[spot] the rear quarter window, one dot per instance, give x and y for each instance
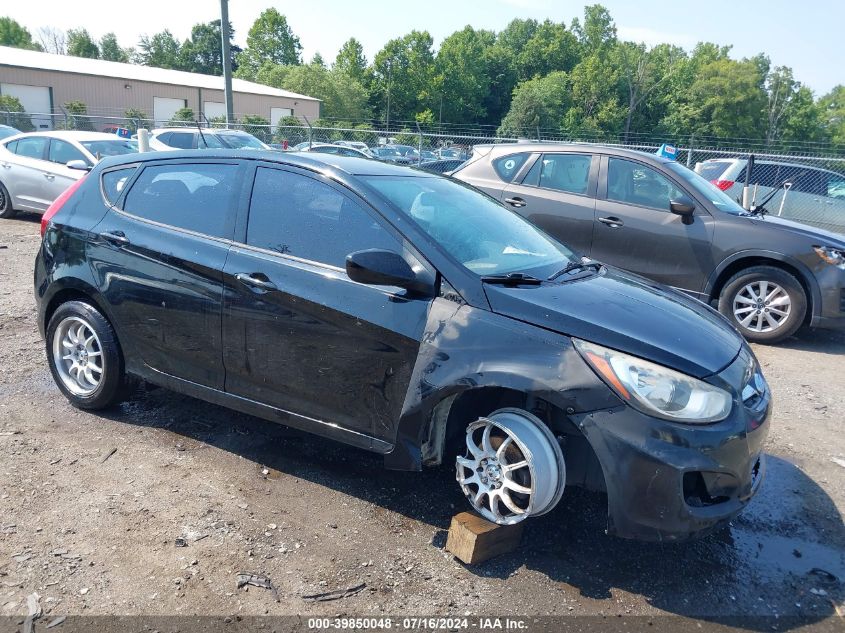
(713, 170)
(113, 183)
(507, 167)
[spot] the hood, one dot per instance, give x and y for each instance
(817, 235)
(627, 313)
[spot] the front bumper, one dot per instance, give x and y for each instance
(672, 482)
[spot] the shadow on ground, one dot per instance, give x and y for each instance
(784, 556)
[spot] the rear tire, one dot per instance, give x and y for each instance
(766, 304)
(6, 210)
(85, 357)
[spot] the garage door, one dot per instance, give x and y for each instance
(276, 114)
(214, 109)
(33, 99)
(164, 108)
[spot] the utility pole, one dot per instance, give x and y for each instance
(227, 62)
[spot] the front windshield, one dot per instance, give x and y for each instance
(241, 140)
(474, 229)
(716, 196)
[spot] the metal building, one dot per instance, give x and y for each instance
(44, 82)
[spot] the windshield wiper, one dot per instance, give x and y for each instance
(577, 266)
(512, 279)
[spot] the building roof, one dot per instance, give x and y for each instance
(22, 58)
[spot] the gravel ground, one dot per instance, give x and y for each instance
(93, 505)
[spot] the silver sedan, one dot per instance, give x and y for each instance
(36, 168)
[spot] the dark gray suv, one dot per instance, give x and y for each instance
(655, 217)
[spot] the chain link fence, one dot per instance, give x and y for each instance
(799, 181)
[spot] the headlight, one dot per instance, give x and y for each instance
(833, 256)
(657, 390)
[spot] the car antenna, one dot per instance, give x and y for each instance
(202, 136)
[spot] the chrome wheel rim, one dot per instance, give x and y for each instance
(78, 356)
(762, 306)
(513, 467)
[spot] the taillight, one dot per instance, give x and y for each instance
(54, 208)
(724, 185)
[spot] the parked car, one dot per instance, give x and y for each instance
(389, 155)
(164, 139)
(408, 314)
(802, 193)
(451, 152)
(36, 168)
(340, 150)
(360, 146)
(441, 166)
(657, 218)
(7, 131)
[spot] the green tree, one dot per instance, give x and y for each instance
(161, 50)
(77, 117)
(203, 53)
(111, 51)
(537, 103)
(258, 126)
(725, 100)
(462, 80)
(595, 109)
(318, 60)
(342, 97)
(401, 76)
(13, 34)
(832, 114)
(552, 47)
(803, 119)
(270, 39)
(9, 108)
(181, 117)
(135, 118)
(598, 33)
(351, 60)
(81, 44)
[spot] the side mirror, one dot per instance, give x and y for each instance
(378, 267)
(684, 207)
(78, 164)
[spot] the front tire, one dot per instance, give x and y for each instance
(6, 210)
(513, 467)
(85, 357)
(766, 304)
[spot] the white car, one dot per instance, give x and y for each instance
(361, 147)
(35, 168)
(170, 138)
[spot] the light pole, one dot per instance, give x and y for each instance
(227, 62)
(389, 75)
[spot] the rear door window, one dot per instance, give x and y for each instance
(181, 140)
(32, 147)
(199, 197)
(508, 166)
(561, 172)
(713, 170)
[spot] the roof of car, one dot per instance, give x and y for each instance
(72, 135)
(515, 148)
(351, 165)
(188, 128)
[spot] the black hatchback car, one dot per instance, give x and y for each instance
(655, 217)
(408, 314)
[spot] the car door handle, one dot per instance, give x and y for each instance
(515, 202)
(7, 165)
(256, 280)
(49, 176)
(115, 237)
(612, 222)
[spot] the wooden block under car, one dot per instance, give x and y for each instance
(473, 539)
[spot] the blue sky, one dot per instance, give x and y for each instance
(808, 35)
